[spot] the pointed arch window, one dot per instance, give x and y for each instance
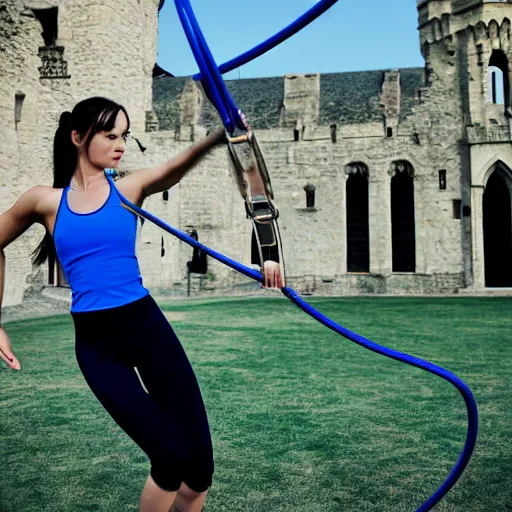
(497, 229)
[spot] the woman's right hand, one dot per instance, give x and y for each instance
(272, 275)
(6, 352)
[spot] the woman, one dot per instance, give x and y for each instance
(118, 325)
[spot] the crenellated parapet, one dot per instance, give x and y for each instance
(466, 45)
(301, 103)
(489, 72)
(390, 101)
(434, 18)
(437, 42)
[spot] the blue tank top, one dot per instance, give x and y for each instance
(97, 253)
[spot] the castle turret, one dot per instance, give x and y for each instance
(99, 47)
(466, 44)
(54, 54)
(473, 35)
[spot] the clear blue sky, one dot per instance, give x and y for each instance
(354, 35)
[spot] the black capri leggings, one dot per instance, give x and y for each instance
(168, 422)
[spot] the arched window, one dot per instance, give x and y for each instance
(358, 233)
(53, 64)
(310, 195)
(499, 83)
(18, 105)
(497, 226)
(403, 233)
(49, 23)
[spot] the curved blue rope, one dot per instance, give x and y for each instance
(281, 36)
(317, 10)
(211, 78)
(209, 87)
(450, 377)
(214, 85)
(459, 384)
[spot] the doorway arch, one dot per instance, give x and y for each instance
(497, 229)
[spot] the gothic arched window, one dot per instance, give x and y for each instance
(403, 232)
(358, 232)
(499, 83)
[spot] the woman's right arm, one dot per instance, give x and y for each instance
(13, 223)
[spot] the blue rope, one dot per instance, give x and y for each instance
(220, 97)
(211, 80)
(209, 88)
(304, 20)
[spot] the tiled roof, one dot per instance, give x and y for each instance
(345, 98)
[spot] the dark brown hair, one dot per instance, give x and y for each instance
(89, 117)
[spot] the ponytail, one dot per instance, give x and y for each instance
(64, 164)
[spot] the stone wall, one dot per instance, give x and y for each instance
(312, 132)
(314, 239)
(30, 105)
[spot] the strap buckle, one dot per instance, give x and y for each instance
(249, 165)
(255, 187)
(261, 210)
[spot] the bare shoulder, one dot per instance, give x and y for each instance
(44, 200)
(131, 186)
(48, 199)
(23, 213)
(29, 202)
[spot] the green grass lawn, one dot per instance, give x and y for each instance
(302, 419)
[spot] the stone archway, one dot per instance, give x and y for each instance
(497, 230)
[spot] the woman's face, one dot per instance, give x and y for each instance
(107, 147)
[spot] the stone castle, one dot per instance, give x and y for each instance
(392, 181)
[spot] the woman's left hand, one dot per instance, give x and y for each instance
(272, 275)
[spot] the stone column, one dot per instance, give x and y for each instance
(379, 199)
(484, 56)
(477, 235)
(343, 228)
(420, 224)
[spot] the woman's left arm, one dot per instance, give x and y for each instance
(164, 176)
